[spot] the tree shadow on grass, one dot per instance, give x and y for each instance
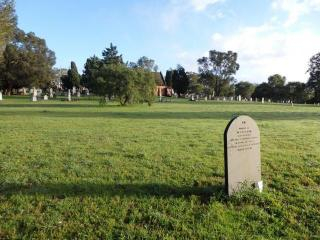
(63, 190)
(226, 115)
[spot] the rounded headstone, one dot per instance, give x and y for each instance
(242, 154)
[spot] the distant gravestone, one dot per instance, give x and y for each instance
(239, 98)
(78, 94)
(45, 97)
(242, 154)
(0, 96)
(51, 93)
(206, 98)
(74, 90)
(262, 100)
(69, 95)
(34, 95)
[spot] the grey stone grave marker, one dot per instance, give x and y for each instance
(0, 96)
(242, 155)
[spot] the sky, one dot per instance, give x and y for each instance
(270, 36)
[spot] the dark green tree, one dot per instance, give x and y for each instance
(314, 79)
(277, 83)
(219, 69)
(110, 55)
(91, 68)
(297, 92)
(73, 77)
(245, 89)
(263, 90)
(180, 80)
(27, 62)
(168, 78)
(194, 85)
(276, 80)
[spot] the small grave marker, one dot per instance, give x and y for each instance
(242, 154)
(0, 96)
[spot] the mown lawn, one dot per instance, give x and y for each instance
(80, 171)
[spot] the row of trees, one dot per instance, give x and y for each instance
(25, 60)
(216, 78)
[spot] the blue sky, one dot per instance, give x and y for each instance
(270, 36)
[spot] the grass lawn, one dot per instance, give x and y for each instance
(77, 170)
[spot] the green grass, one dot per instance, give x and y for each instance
(77, 170)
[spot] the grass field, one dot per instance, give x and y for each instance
(77, 170)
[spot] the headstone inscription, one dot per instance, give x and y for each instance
(242, 155)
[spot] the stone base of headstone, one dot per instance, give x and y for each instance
(259, 186)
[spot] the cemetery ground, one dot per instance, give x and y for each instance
(78, 170)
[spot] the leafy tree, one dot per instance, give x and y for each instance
(276, 80)
(91, 68)
(277, 83)
(168, 78)
(218, 69)
(194, 85)
(314, 79)
(297, 92)
(245, 89)
(147, 64)
(263, 90)
(8, 22)
(27, 62)
(110, 55)
(128, 85)
(180, 80)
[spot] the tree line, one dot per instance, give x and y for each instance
(26, 61)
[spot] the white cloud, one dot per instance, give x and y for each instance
(267, 49)
(296, 8)
(200, 5)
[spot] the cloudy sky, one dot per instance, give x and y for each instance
(270, 36)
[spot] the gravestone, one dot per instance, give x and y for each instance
(262, 100)
(78, 94)
(88, 93)
(51, 93)
(34, 95)
(239, 98)
(74, 90)
(69, 95)
(206, 98)
(45, 97)
(251, 99)
(0, 96)
(242, 154)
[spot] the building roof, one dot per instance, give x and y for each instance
(159, 79)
